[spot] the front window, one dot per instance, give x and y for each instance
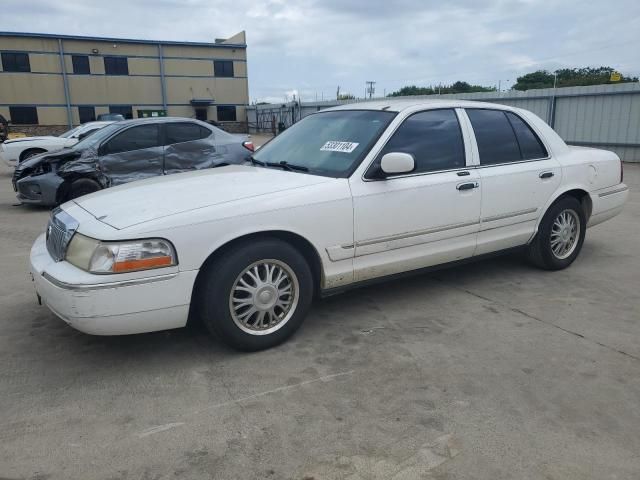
(331, 144)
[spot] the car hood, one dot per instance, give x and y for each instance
(32, 139)
(142, 201)
(49, 157)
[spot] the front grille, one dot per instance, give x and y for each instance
(60, 230)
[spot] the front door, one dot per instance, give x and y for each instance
(424, 218)
(518, 178)
(134, 154)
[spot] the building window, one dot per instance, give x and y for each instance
(226, 113)
(116, 66)
(201, 114)
(87, 114)
(15, 62)
(80, 64)
(125, 110)
(223, 68)
(23, 115)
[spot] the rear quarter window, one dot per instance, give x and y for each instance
(530, 145)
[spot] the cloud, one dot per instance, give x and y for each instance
(312, 46)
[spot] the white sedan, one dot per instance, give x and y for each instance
(346, 196)
(17, 150)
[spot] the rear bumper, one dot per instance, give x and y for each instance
(607, 203)
(113, 306)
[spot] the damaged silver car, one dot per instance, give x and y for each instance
(123, 152)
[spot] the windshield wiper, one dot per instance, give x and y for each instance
(256, 162)
(287, 166)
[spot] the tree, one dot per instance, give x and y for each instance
(569, 77)
(346, 96)
(457, 87)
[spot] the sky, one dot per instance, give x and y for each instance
(308, 48)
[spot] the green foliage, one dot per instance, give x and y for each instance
(569, 77)
(346, 96)
(457, 87)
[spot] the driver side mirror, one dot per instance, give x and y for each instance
(395, 163)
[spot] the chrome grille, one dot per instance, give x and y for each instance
(60, 230)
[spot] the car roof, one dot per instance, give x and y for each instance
(137, 121)
(98, 122)
(393, 105)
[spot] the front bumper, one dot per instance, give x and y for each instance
(38, 189)
(111, 304)
(6, 158)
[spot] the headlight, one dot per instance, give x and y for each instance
(118, 257)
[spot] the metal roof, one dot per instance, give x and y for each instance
(120, 40)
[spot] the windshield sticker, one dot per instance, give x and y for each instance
(335, 146)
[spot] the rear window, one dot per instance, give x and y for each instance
(503, 137)
(530, 145)
(184, 132)
(495, 137)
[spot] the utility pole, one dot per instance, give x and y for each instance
(338, 93)
(371, 89)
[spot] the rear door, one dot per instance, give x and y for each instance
(189, 146)
(133, 154)
(517, 174)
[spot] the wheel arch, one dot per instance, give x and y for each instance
(576, 191)
(31, 149)
(304, 246)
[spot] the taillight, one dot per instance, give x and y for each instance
(248, 145)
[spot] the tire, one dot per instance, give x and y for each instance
(82, 186)
(31, 153)
(554, 247)
(225, 304)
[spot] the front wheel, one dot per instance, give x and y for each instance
(81, 187)
(257, 295)
(560, 235)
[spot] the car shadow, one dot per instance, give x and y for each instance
(336, 312)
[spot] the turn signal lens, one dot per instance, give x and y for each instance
(119, 257)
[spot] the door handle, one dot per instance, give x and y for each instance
(468, 186)
(463, 174)
(544, 175)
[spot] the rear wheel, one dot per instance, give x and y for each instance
(257, 295)
(83, 186)
(560, 235)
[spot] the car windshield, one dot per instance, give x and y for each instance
(69, 133)
(331, 143)
(95, 138)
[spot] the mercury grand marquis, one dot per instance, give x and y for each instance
(346, 196)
